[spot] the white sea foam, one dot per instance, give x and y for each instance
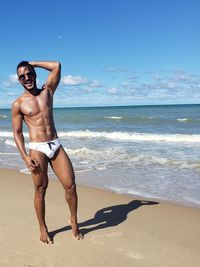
(114, 117)
(193, 201)
(111, 157)
(10, 142)
(10, 134)
(26, 171)
(132, 136)
(125, 190)
(6, 134)
(84, 170)
(81, 151)
(104, 153)
(121, 136)
(147, 117)
(182, 199)
(3, 116)
(183, 120)
(8, 153)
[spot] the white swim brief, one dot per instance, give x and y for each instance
(48, 148)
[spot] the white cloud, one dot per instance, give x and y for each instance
(171, 86)
(11, 94)
(156, 77)
(95, 83)
(73, 80)
(12, 80)
(180, 76)
(115, 69)
(112, 91)
(88, 90)
(133, 76)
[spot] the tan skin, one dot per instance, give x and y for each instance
(35, 107)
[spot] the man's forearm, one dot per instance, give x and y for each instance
(30, 161)
(19, 140)
(48, 65)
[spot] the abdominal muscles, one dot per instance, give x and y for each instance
(41, 127)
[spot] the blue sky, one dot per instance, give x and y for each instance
(113, 52)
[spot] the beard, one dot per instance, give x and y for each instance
(29, 85)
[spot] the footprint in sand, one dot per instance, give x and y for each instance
(96, 240)
(114, 234)
(130, 253)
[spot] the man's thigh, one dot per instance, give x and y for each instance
(62, 166)
(39, 175)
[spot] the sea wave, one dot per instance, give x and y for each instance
(26, 171)
(114, 117)
(188, 120)
(10, 134)
(9, 153)
(132, 136)
(2, 116)
(110, 157)
(118, 136)
(183, 119)
(182, 199)
(10, 142)
(103, 154)
(81, 151)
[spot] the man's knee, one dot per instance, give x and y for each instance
(70, 188)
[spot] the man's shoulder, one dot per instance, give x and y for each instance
(20, 99)
(17, 102)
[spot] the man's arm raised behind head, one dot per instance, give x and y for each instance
(54, 67)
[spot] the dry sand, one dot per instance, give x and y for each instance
(119, 230)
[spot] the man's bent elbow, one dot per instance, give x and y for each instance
(17, 133)
(58, 65)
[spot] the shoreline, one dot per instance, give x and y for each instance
(79, 183)
(80, 175)
(119, 230)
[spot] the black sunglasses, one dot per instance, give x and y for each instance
(23, 76)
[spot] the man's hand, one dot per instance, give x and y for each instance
(31, 163)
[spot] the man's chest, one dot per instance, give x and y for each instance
(34, 105)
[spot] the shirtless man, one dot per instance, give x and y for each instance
(35, 107)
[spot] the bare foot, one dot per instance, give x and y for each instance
(75, 230)
(44, 237)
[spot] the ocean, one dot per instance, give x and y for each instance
(148, 151)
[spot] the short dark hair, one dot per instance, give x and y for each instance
(26, 64)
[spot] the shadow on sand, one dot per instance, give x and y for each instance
(106, 217)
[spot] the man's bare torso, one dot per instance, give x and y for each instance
(37, 112)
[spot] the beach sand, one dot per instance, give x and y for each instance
(119, 230)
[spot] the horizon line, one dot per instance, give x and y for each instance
(110, 106)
